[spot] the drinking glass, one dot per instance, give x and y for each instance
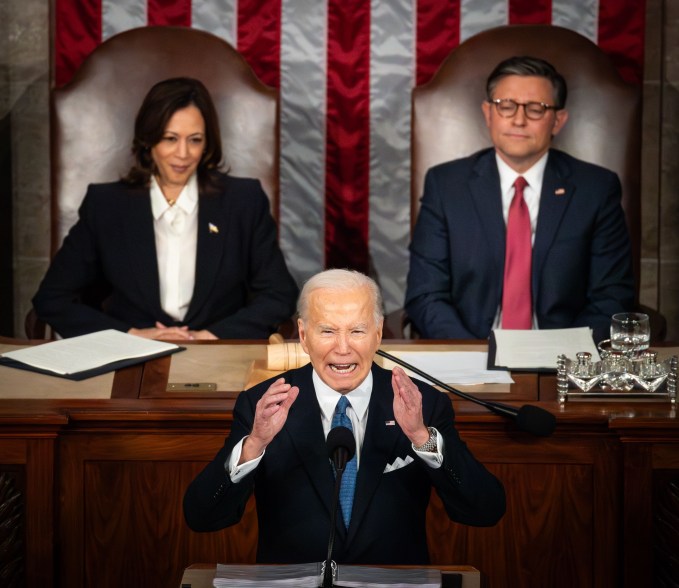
(630, 333)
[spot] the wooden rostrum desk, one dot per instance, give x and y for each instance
(92, 476)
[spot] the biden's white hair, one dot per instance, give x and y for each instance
(340, 279)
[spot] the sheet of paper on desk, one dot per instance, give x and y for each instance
(537, 349)
(453, 367)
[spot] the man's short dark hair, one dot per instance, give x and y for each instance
(529, 66)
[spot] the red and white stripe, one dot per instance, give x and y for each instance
(345, 69)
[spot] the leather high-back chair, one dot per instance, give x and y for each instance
(604, 126)
(92, 117)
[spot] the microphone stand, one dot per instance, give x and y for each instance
(328, 575)
(532, 419)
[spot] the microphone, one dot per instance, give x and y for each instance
(341, 448)
(530, 419)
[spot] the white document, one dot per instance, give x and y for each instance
(466, 368)
(86, 352)
(537, 349)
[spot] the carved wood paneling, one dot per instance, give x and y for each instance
(122, 509)
(665, 529)
(549, 516)
(133, 516)
(12, 528)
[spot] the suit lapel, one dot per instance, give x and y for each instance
(487, 199)
(557, 192)
(212, 234)
(141, 244)
(378, 444)
(305, 432)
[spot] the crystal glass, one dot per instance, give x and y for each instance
(616, 372)
(630, 333)
(583, 373)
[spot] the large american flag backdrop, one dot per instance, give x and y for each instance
(345, 70)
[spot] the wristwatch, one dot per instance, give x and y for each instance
(430, 445)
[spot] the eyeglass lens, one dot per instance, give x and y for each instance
(508, 108)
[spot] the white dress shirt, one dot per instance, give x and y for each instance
(357, 412)
(176, 234)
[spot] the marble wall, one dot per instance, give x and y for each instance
(24, 97)
(660, 164)
(668, 169)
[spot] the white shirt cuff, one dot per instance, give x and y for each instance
(434, 459)
(238, 472)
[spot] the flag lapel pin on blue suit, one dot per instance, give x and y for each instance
(560, 191)
(214, 229)
(390, 423)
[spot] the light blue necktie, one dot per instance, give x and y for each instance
(346, 497)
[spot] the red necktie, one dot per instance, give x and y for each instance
(517, 311)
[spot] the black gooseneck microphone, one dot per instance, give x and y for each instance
(531, 419)
(341, 448)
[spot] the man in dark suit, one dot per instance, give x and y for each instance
(405, 437)
(580, 270)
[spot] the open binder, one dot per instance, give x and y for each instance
(88, 355)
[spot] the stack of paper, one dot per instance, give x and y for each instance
(537, 349)
(452, 367)
(252, 576)
(309, 576)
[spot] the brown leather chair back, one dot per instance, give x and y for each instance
(93, 116)
(604, 126)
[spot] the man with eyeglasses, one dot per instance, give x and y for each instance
(520, 235)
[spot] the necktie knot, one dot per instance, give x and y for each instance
(519, 184)
(340, 418)
(342, 404)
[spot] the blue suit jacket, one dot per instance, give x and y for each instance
(293, 483)
(582, 265)
(242, 286)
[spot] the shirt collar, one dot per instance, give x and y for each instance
(328, 398)
(533, 175)
(187, 199)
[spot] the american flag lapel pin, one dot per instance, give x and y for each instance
(389, 423)
(214, 229)
(560, 191)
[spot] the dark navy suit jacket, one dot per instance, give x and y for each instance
(582, 265)
(293, 483)
(242, 286)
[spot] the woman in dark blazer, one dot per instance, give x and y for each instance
(176, 249)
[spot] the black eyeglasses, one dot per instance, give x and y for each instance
(507, 108)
